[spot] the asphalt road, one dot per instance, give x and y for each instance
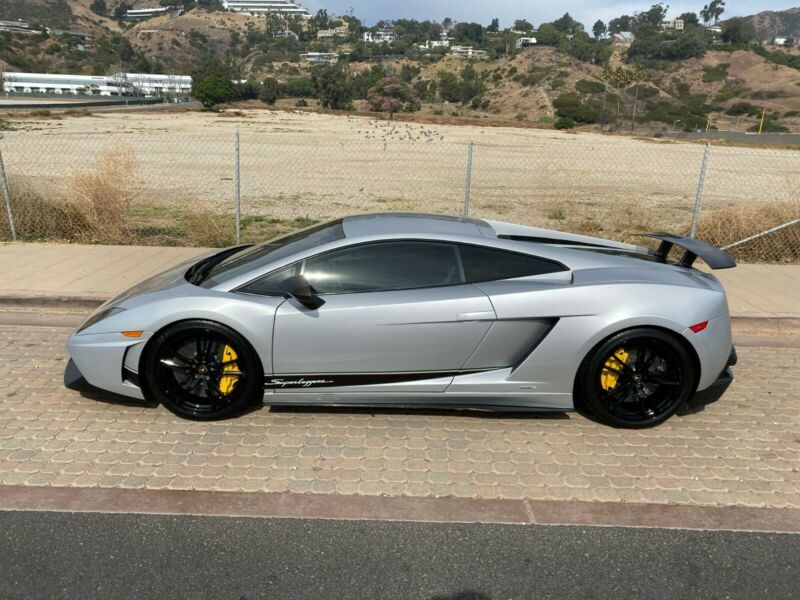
(66, 555)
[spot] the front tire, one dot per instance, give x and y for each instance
(202, 370)
(637, 378)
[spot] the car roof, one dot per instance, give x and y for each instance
(414, 223)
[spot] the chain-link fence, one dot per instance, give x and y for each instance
(180, 184)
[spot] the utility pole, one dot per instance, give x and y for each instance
(761, 126)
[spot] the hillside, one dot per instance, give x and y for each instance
(534, 87)
(768, 24)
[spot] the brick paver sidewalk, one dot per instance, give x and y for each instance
(743, 450)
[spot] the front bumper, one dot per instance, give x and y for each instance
(105, 360)
(74, 380)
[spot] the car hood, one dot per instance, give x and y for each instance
(171, 281)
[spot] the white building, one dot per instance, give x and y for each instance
(119, 84)
(780, 41)
(287, 34)
(45, 83)
(17, 27)
(469, 53)
(382, 36)
(672, 25)
(146, 84)
(262, 7)
(623, 38)
(320, 58)
(525, 42)
(140, 14)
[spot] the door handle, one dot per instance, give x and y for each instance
(487, 315)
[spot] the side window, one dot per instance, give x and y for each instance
(489, 264)
(269, 285)
(385, 266)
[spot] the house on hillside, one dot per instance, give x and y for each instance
(286, 35)
(264, 7)
(141, 14)
(386, 35)
(782, 40)
(335, 33)
(17, 27)
(672, 25)
(469, 53)
(525, 42)
(320, 58)
(623, 38)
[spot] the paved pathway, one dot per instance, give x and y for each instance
(102, 271)
(743, 450)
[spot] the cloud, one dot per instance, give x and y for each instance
(535, 11)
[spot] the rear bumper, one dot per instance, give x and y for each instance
(715, 391)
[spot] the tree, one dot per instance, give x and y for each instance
(689, 19)
(212, 84)
(99, 7)
(270, 91)
(655, 15)
(494, 27)
(547, 35)
(121, 10)
(319, 21)
(599, 29)
(738, 31)
(522, 25)
(471, 33)
(567, 24)
(713, 11)
(622, 23)
(333, 86)
(213, 90)
(447, 24)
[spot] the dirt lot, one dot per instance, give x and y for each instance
(318, 165)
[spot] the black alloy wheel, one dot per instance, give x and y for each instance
(638, 378)
(202, 370)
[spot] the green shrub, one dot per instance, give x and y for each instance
(718, 73)
(743, 108)
(564, 123)
(770, 126)
(586, 86)
(557, 83)
(570, 106)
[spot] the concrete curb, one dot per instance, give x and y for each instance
(287, 505)
(751, 324)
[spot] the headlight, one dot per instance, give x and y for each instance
(98, 316)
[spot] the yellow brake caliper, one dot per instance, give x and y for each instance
(227, 383)
(610, 376)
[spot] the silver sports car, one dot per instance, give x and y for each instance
(409, 310)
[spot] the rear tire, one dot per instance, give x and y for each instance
(202, 370)
(637, 378)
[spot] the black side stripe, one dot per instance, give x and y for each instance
(309, 381)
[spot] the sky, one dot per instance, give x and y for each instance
(535, 11)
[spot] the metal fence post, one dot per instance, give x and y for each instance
(238, 192)
(7, 194)
(468, 184)
(699, 196)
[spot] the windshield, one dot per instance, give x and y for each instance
(261, 255)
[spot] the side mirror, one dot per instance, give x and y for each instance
(298, 288)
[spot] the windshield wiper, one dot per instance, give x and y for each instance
(200, 270)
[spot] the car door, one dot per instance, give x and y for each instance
(398, 316)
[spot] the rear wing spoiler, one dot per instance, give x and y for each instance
(713, 257)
